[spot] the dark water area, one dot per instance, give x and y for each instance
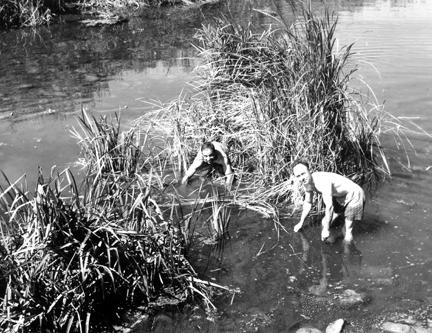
(48, 75)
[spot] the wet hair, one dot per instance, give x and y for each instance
(299, 161)
(208, 145)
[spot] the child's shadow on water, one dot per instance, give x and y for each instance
(323, 264)
(338, 263)
(371, 224)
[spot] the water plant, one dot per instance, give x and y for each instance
(24, 13)
(278, 95)
(74, 255)
(106, 150)
(220, 217)
(31, 13)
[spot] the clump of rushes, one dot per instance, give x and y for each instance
(72, 256)
(107, 151)
(279, 95)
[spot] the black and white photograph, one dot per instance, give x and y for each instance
(215, 166)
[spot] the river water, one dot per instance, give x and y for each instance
(49, 74)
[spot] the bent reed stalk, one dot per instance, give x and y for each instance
(277, 96)
(73, 256)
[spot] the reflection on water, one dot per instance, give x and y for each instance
(61, 67)
(47, 75)
(284, 282)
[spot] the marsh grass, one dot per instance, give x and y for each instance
(106, 150)
(115, 11)
(25, 13)
(74, 254)
(179, 148)
(31, 13)
(276, 96)
(220, 217)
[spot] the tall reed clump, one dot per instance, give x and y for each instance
(73, 256)
(282, 94)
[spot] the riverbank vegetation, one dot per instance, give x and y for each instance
(74, 257)
(30, 13)
(276, 96)
(76, 254)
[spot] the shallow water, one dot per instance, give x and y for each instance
(48, 75)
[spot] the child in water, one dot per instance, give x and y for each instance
(337, 192)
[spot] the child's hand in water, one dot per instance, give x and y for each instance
(325, 233)
(298, 226)
(183, 181)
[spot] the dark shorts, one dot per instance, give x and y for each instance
(210, 171)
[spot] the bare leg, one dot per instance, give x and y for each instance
(335, 216)
(325, 232)
(348, 231)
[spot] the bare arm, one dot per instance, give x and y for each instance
(192, 169)
(307, 206)
(328, 215)
(227, 168)
(229, 174)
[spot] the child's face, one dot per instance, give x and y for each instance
(301, 172)
(208, 155)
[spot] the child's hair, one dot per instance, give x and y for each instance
(207, 145)
(299, 161)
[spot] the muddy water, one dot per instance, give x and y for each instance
(48, 75)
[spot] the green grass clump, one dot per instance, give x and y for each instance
(275, 96)
(75, 257)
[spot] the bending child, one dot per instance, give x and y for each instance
(212, 155)
(337, 192)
